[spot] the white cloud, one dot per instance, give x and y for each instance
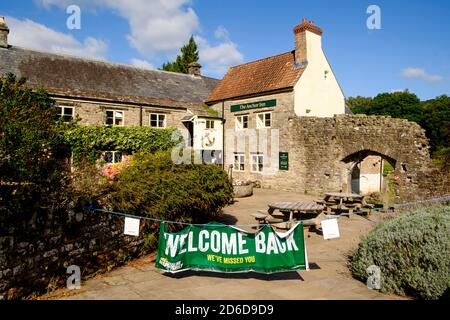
(162, 27)
(217, 59)
(32, 35)
(155, 25)
(419, 73)
(222, 33)
(144, 64)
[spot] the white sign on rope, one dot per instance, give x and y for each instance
(330, 229)
(131, 226)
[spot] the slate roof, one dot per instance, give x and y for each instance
(260, 76)
(69, 76)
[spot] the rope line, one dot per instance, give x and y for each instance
(92, 209)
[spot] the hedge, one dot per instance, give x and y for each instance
(412, 252)
(90, 141)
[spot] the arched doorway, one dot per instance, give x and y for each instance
(367, 171)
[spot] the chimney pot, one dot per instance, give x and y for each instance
(194, 69)
(4, 30)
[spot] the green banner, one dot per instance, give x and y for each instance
(222, 248)
(253, 105)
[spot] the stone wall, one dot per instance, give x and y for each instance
(327, 149)
(36, 253)
(92, 113)
(323, 151)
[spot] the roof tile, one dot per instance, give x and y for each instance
(272, 73)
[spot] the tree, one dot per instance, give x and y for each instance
(436, 121)
(404, 105)
(29, 137)
(189, 54)
(359, 104)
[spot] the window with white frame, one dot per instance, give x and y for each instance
(257, 162)
(239, 160)
(157, 120)
(209, 124)
(65, 113)
(114, 118)
(241, 122)
(264, 120)
(112, 157)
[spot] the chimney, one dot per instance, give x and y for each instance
(194, 69)
(300, 33)
(4, 30)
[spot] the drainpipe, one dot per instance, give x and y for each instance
(140, 115)
(223, 135)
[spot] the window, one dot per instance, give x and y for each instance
(257, 164)
(239, 159)
(112, 157)
(157, 120)
(65, 113)
(209, 124)
(114, 118)
(264, 120)
(241, 122)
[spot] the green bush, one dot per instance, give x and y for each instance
(31, 177)
(90, 141)
(412, 252)
(154, 186)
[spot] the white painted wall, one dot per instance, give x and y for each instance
(369, 183)
(322, 96)
(207, 139)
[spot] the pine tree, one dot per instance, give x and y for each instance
(189, 54)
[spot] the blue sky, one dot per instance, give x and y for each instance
(410, 51)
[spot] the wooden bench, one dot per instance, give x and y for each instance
(260, 217)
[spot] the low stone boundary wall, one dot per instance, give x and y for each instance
(35, 254)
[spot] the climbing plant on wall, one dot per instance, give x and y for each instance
(90, 141)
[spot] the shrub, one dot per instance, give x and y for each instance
(154, 186)
(412, 252)
(31, 177)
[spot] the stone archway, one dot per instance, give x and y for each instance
(366, 170)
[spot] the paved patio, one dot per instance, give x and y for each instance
(329, 277)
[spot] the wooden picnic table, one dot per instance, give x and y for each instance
(342, 201)
(289, 208)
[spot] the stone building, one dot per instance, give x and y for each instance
(286, 126)
(280, 120)
(103, 93)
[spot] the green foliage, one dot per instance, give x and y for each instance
(211, 111)
(156, 187)
(359, 104)
(436, 122)
(403, 105)
(30, 173)
(189, 54)
(442, 158)
(412, 252)
(387, 168)
(89, 141)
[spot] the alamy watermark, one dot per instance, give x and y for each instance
(74, 280)
(263, 146)
(74, 19)
(374, 20)
(374, 277)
